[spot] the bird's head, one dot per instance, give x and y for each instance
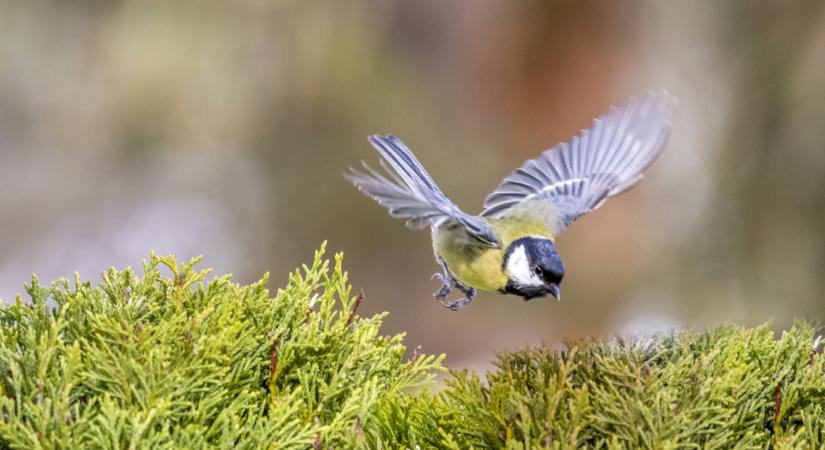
(533, 268)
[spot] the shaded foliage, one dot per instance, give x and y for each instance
(731, 388)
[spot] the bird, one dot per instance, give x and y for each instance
(510, 246)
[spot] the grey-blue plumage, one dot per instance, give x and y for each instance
(509, 247)
(410, 193)
(601, 162)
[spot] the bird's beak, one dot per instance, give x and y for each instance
(554, 289)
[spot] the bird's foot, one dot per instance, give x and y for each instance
(446, 286)
(455, 305)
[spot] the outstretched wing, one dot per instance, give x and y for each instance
(410, 193)
(601, 162)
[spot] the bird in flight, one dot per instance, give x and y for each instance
(510, 247)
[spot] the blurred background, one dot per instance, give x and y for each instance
(223, 127)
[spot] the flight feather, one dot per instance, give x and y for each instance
(601, 162)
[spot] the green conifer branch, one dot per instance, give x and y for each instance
(176, 361)
(169, 359)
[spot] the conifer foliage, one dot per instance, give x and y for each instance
(168, 359)
(173, 361)
(734, 388)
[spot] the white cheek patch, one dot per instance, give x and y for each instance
(518, 269)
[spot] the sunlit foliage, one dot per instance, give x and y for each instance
(174, 361)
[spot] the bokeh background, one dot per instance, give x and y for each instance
(223, 127)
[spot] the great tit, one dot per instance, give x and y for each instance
(509, 246)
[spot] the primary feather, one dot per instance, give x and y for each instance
(601, 162)
(410, 193)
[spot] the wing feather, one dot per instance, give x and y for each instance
(601, 162)
(408, 191)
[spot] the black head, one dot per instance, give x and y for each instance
(533, 268)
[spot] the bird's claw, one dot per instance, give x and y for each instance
(444, 290)
(446, 286)
(455, 305)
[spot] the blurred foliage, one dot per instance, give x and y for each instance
(223, 127)
(760, 243)
(171, 361)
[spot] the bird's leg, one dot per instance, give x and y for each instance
(447, 285)
(447, 282)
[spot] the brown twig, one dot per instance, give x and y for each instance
(310, 311)
(415, 354)
(273, 360)
(485, 395)
(777, 402)
(814, 351)
(358, 300)
(358, 428)
(317, 444)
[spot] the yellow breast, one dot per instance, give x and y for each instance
(477, 265)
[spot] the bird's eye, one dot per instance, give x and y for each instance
(537, 270)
